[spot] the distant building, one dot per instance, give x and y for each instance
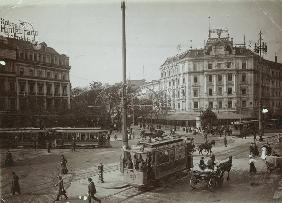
(134, 84)
(33, 81)
(150, 88)
(223, 76)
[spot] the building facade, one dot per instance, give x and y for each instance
(223, 76)
(33, 79)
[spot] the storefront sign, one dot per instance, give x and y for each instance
(22, 31)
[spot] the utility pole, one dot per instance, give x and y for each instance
(124, 103)
(260, 48)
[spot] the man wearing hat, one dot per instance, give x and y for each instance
(92, 191)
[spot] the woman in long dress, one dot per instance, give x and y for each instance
(263, 152)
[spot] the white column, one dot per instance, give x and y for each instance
(234, 82)
(44, 89)
(17, 90)
(60, 89)
(214, 84)
(53, 89)
(36, 88)
(26, 87)
(205, 85)
(224, 84)
(68, 93)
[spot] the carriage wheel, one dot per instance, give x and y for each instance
(193, 183)
(212, 184)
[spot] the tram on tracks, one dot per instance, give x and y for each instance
(149, 162)
(244, 128)
(58, 137)
(21, 137)
(83, 137)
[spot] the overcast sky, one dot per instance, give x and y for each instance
(89, 32)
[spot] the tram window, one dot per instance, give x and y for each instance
(171, 155)
(82, 137)
(179, 153)
(162, 157)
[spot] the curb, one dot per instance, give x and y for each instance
(114, 187)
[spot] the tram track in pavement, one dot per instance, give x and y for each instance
(128, 193)
(93, 171)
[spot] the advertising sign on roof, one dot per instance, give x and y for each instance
(21, 31)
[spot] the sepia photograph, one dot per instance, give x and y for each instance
(141, 101)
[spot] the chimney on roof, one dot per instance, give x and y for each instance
(275, 58)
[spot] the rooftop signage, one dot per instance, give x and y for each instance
(21, 31)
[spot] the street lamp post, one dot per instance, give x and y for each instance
(124, 104)
(260, 48)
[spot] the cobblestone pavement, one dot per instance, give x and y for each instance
(38, 171)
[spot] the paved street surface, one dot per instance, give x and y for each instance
(38, 170)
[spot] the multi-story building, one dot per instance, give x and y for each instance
(32, 79)
(223, 76)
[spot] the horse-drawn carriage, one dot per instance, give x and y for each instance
(211, 178)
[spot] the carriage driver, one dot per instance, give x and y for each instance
(211, 162)
(202, 164)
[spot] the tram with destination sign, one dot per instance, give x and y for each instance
(58, 137)
(21, 137)
(83, 137)
(148, 162)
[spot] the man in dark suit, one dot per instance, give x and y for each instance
(15, 184)
(92, 191)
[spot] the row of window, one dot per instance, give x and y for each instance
(220, 92)
(45, 58)
(222, 65)
(42, 74)
(40, 89)
(230, 104)
(176, 81)
(219, 105)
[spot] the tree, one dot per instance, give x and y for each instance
(208, 120)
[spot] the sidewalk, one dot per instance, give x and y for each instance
(113, 183)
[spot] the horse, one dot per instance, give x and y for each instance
(207, 146)
(226, 166)
(152, 135)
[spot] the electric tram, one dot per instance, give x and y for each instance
(58, 137)
(83, 137)
(148, 162)
(21, 137)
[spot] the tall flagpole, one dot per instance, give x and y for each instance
(124, 103)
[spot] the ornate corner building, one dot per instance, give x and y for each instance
(33, 80)
(223, 76)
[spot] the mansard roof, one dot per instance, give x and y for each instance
(25, 45)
